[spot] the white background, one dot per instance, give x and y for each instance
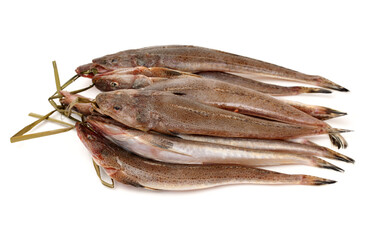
(49, 189)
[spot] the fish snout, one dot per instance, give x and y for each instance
(103, 84)
(84, 70)
(106, 103)
(101, 100)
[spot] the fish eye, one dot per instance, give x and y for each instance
(113, 84)
(117, 108)
(91, 137)
(114, 60)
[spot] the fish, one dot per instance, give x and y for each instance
(195, 59)
(271, 89)
(242, 100)
(168, 113)
(131, 169)
(176, 150)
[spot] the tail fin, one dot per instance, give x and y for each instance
(324, 164)
(325, 113)
(338, 140)
(312, 180)
(326, 83)
(334, 113)
(338, 156)
(328, 153)
(320, 112)
(339, 130)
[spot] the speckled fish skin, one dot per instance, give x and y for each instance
(176, 150)
(274, 90)
(167, 113)
(196, 59)
(232, 97)
(131, 169)
(272, 145)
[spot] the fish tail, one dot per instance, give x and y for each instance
(324, 113)
(324, 164)
(312, 180)
(336, 155)
(328, 153)
(326, 83)
(339, 130)
(320, 112)
(338, 140)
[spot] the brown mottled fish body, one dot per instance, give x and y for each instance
(196, 59)
(168, 113)
(131, 169)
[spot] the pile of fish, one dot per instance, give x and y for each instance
(185, 117)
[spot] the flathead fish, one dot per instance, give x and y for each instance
(131, 169)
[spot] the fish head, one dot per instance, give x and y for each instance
(123, 78)
(124, 106)
(113, 81)
(106, 83)
(94, 142)
(103, 151)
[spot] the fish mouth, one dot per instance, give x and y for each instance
(96, 108)
(91, 69)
